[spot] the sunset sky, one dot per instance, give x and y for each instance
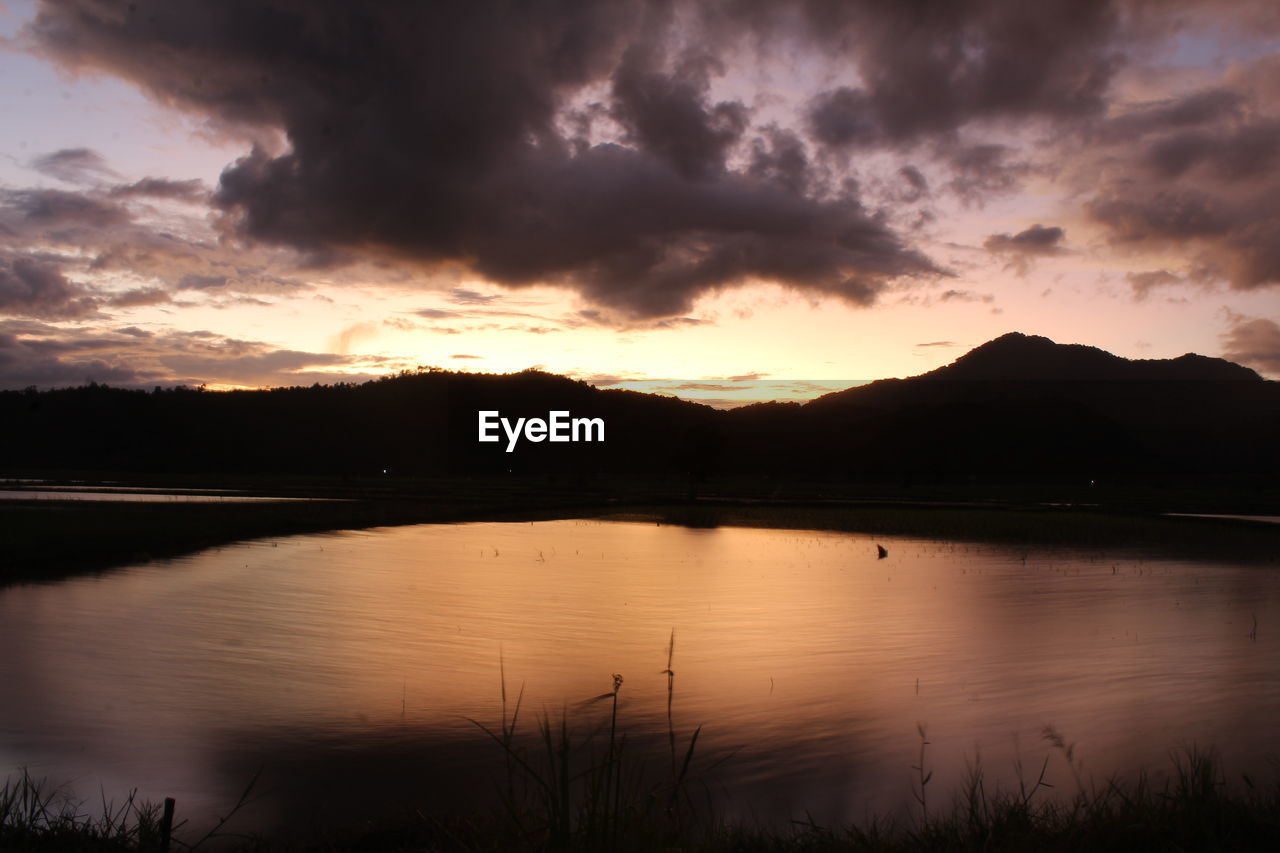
(804, 194)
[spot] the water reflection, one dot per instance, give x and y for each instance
(345, 665)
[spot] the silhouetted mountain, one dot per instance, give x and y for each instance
(1024, 406)
(1018, 407)
(1019, 357)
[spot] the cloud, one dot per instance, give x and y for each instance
(980, 171)
(352, 335)
(1197, 175)
(139, 297)
(433, 135)
(1253, 342)
(247, 363)
(24, 211)
(48, 356)
(608, 149)
(31, 288)
(927, 72)
(668, 115)
(193, 191)
(702, 386)
(780, 157)
(464, 355)
(102, 235)
(1144, 282)
(954, 295)
(603, 380)
(463, 296)
(1020, 249)
(201, 282)
(939, 344)
(74, 166)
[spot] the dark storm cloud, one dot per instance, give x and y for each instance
(930, 68)
(432, 133)
(779, 157)
(1020, 249)
(844, 117)
(1253, 342)
(1198, 175)
(668, 114)
(982, 170)
(73, 165)
(33, 288)
(588, 145)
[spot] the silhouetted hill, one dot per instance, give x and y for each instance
(1019, 357)
(1024, 406)
(1016, 408)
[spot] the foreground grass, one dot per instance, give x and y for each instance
(35, 816)
(1195, 810)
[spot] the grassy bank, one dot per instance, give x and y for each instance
(1013, 525)
(50, 539)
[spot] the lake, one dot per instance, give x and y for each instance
(348, 667)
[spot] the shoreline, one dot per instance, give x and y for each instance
(47, 540)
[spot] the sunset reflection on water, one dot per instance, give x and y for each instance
(799, 652)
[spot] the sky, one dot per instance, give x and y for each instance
(726, 200)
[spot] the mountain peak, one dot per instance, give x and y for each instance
(1019, 357)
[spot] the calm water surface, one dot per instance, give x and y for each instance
(344, 666)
